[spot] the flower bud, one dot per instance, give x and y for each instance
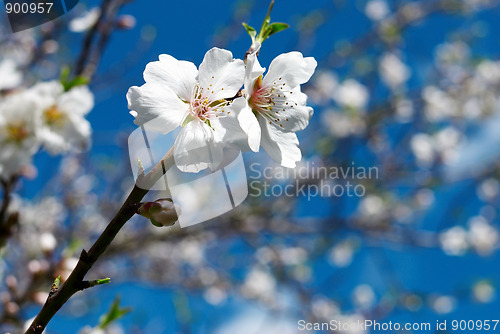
(125, 22)
(160, 212)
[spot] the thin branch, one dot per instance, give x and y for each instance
(7, 190)
(89, 38)
(75, 281)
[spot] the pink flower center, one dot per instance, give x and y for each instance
(271, 101)
(204, 109)
(201, 109)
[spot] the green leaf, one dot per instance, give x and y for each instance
(267, 19)
(77, 81)
(63, 77)
(100, 281)
(250, 30)
(273, 28)
(114, 313)
(267, 29)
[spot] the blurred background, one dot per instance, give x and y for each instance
(411, 88)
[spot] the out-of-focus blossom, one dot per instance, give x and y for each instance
(110, 329)
(279, 104)
(91, 330)
(363, 296)
(67, 266)
(443, 304)
(446, 143)
(454, 241)
(63, 123)
(292, 255)
(323, 87)
(192, 251)
(483, 291)
(439, 104)
(126, 22)
(86, 21)
(50, 46)
(393, 71)
(341, 255)
(18, 47)
(44, 215)
(259, 283)
(482, 236)
(343, 124)
(215, 295)
(424, 198)
(452, 53)
(372, 207)
(18, 132)
(488, 189)
(443, 144)
(377, 10)
(351, 94)
(404, 110)
(412, 11)
(489, 71)
(47, 242)
(412, 302)
(10, 76)
(324, 308)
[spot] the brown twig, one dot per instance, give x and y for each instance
(75, 281)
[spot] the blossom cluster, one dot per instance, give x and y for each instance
(45, 115)
(214, 111)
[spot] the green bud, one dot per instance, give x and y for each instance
(266, 30)
(251, 31)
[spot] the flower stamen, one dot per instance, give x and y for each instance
(54, 117)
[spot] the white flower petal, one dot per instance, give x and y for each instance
(253, 70)
(10, 76)
(47, 93)
(11, 162)
(241, 126)
(292, 112)
(195, 148)
(280, 146)
(178, 75)
(158, 103)
(220, 75)
(53, 142)
(292, 67)
(86, 21)
(79, 100)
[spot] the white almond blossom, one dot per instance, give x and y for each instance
(393, 71)
(63, 123)
(278, 103)
(377, 10)
(85, 21)
(177, 94)
(482, 236)
(18, 136)
(10, 76)
(352, 95)
(454, 241)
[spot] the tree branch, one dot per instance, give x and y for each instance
(75, 281)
